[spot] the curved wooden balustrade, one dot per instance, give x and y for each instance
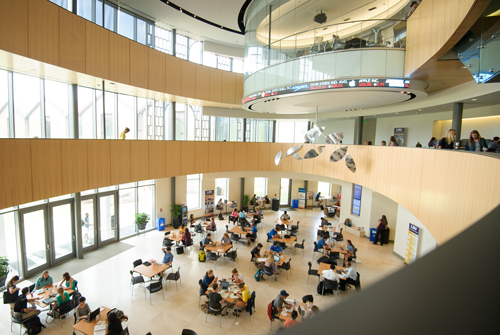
(446, 190)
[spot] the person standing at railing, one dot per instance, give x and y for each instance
(447, 141)
(475, 142)
(413, 6)
(495, 145)
(123, 134)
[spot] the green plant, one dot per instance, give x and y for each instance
(246, 200)
(4, 267)
(142, 219)
(176, 211)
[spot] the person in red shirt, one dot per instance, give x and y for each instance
(292, 321)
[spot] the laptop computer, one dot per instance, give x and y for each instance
(48, 301)
(146, 263)
(93, 315)
(276, 258)
(224, 285)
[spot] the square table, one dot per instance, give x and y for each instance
(285, 222)
(282, 258)
(325, 266)
(218, 247)
(46, 294)
(289, 240)
(152, 270)
(239, 230)
(87, 328)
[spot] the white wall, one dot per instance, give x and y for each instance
(334, 126)
(426, 243)
(488, 126)
(369, 130)
(381, 205)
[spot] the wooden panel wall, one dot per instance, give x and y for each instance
(446, 201)
(41, 30)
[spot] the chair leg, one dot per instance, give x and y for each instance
(176, 286)
(307, 279)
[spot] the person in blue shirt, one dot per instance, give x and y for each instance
(318, 199)
(43, 280)
(168, 256)
(253, 234)
(272, 233)
(322, 243)
(208, 281)
(242, 214)
(276, 248)
(208, 240)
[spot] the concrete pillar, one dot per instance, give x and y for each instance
(174, 41)
(244, 130)
(274, 132)
(172, 120)
(456, 123)
(359, 130)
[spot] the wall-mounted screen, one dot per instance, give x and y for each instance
(356, 199)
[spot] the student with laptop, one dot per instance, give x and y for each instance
(279, 302)
(350, 275)
(272, 233)
(62, 297)
(82, 310)
(330, 274)
(207, 240)
(252, 234)
(236, 276)
(208, 281)
(276, 248)
(70, 282)
(323, 242)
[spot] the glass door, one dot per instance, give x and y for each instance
(88, 222)
(285, 192)
(35, 240)
(62, 231)
(108, 214)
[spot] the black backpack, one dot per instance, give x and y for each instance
(33, 326)
(320, 287)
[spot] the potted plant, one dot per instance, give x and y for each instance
(4, 270)
(141, 220)
(176, 213)
(246, 200)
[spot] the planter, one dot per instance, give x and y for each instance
(142, 226)
(245, 208)
(175, 223)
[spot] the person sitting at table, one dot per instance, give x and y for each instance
(276, 248)
(211, 225)
(292, 321)
(242, 214)
(234, 216)
(114, 324)
(70, 282)
(252, 234)
(257, 216)
(192, 220)
(21, 305)
(186, 237)
(323, 242)
(256, 251)
(208, 281)
(82, 310)
(243, 295)
(265, 201)
(285, 216)
(253, 201)
(350, 251)
(13, 292)
(207, 240)
(330, 274)
(168, 256)
(350, 275)
(215, 300)
(279, 302)
(272, 233)
(236, 276)
(62, 297)
(320, 202)
(225, 239)
(43, 281)
(270, 263)
(324, 222)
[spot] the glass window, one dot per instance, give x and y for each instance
(181, 45)
(125, 25)
(163, 40)
(61, 197)
(27, 116)
(63, 234)
(109, 17)
(99, 112)
(66, 4)
(262, 131)
(221, 189)
(222, 129)
(324, 188)
(195, 51)
(107, 226)
(4, 105)
(93, 191)
(284, 191)
(126, 211)
(300, 131)
(87, 215)
(223, 63)
(146, 182)
(285, 132)
(142, 118)
(145, 203)
(86, 113)
(193, 123)
(233, 130)
(98, 13)
(84, 9)
(237, 65)
(159, 120)
(110, 116)
(126, 114)
(141, 31)
(128, 185)
(8, 242)
(260, 186)
(105, 189)
(56, 109)
(209, 59)
(180, 122)
(34, 238)
(193, 193)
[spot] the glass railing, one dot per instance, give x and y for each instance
(387, 33)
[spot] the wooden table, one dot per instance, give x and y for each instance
(87, 328)
(295, 306)
(175, 235)
(46, 294)
(232, 289)
(325, 266)
(221, 249)
(282, 258)
(336, 248)
(285, 222)
(289, 240)
(152, 270)
(330, 229)
(239, 230)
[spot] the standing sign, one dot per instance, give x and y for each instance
(209, 203)
(411, 244)
(399, 134)
(302, 198)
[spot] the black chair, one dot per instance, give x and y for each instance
(137, 262)
(283, 246)
(358, 283)
(334, 256)
(232, 255)
(353, 257)
(280, 227)
(64, 309)
(201, 245)
(316, 249)
(299, 246)
(134, 280)
(17, 318)
(124, 332)
(273, 314)
(153, 288)
(212, 256)
(330, 285)
(188, 332)
(268, 271)
(286, 267)
(295, 228)
(312, 272)
(308, 298)
(201, 292)
(250, 307)
(175, 277)
(31, 288)
(227, 229)
(235, 237)
(215, 312)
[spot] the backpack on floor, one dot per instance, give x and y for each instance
(201, 256)
(258, 275)
(320, 287)
(33, 326)
(179, 250)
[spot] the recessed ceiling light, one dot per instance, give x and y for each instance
(373, 8)
(325, 28)
(419, 110)
(347, 19)
(474, 99)
(396, 113)
(374, 115)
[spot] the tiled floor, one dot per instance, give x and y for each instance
(107, 283)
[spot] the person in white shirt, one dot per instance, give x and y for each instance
(285, 216)
(331, 274)
(351, 276)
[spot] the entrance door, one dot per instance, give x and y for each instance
(62, 231)
(88, 221)
(108, 217)
(36, 246)
(285, 192)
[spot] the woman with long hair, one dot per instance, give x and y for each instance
(350, 251)
(13, 291)
(432, 142)
(475, 142)
(381, 230)
(271, 264)
(448, 141)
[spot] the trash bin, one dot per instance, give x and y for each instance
(373, 234)
(160, 224)
(386, 236)
(276, 204)
(295, 203)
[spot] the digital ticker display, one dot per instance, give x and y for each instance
(330, 84)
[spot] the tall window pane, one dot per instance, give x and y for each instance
(221, 189)
(222, 129)
(181, 46)
(195, 51)
(98, 12)
(99, 112)
(56, 109)
(8, 242)
(61, 219)
(324, 188)
(285, 133)
(126, 25)
(86, 113)
(145, 203)
(27, 106)
(193, 194)
(126, 115)
(237, 65)
(262, 135)
(163, 40)
(209, 59)
(260, 186)
(4, 106)
(300, 130)
(66, 4)
(110, 105)
(180, 122)
(142, 119)
(84, 9)
(191, 123)
(109, 17)
(126, 210)
(159, 120)
(141, 31)
(284, 191)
